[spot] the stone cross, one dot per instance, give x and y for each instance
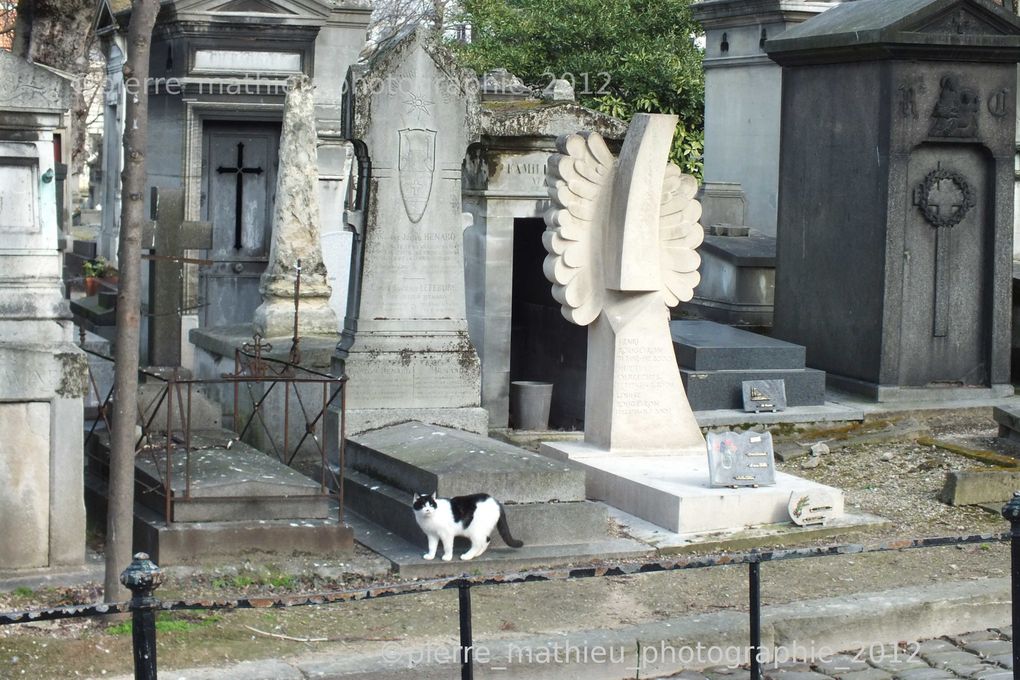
(169, 236)
(621, 239)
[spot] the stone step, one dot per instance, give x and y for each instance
(710, 346)
(185, 542)
(239, 483)
(710, 390)
(414, 457)
(406, 556)
(533, 523)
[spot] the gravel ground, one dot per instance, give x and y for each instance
(898, 480)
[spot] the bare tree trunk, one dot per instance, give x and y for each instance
(120, 513)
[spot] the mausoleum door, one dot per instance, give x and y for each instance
(238, 181)
(947, 257)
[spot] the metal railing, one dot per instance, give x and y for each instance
(143, 577)
(259, 389)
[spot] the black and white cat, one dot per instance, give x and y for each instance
(474, 517)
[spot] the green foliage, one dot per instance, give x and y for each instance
(623, 56)
(23, 591)
(98, 267)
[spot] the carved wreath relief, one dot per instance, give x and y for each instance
(945, 198)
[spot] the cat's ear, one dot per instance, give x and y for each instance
(433, 495)
(415, 496)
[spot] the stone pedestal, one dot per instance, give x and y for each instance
(738, 280)
(673, 491)
(43, 375)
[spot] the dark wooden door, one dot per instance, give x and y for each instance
(238, 180)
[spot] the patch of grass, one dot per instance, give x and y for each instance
(23, 591)
(169, 622)
(271, 578)
(282, 581)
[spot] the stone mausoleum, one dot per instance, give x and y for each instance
(896, 195)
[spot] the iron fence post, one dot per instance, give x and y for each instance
(467, 670)
(142, 577)
(754, 612)
(1011, 511)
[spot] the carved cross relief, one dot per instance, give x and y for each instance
(944, 198)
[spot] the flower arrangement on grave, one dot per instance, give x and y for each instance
(98, 268)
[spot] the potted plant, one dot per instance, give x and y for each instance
(97, 269)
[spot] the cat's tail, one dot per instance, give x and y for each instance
(504, 530)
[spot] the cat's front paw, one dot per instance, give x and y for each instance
(447, 558)
(428, 556)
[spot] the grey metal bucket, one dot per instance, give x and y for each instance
(529, 404)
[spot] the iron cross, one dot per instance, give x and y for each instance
(240, 171)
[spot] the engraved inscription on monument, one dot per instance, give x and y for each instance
(642, 377)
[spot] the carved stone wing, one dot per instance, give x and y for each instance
(680, 234)
(580, 184)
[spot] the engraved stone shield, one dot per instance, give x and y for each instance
(417, 163)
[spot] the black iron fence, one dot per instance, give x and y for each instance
(276, 406)
(143, 577)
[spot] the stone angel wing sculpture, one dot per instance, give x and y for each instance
(630, 225)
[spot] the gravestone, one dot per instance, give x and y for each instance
(43, 375)
(406, 347)
(716, 360)
(168, 237)
(898, 278)
(295, 236)
(643, 211)
(622, 238)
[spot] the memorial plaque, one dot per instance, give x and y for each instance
(741, 459)
(764, 395)
(812, 509)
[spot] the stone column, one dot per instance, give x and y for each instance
(43, 375)
(296, 229)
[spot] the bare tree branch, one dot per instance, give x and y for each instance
(391, 17)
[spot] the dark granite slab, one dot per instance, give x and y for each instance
(708, 346)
